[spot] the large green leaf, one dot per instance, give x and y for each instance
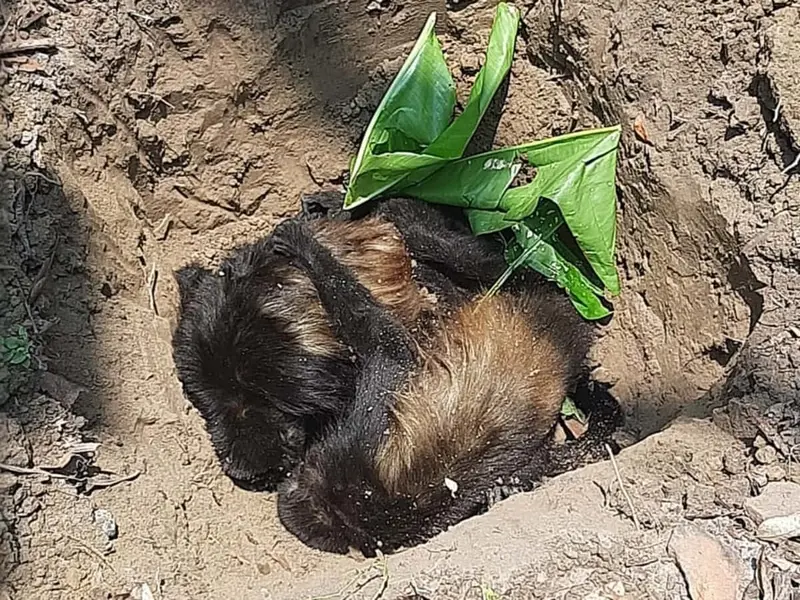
(416, 108)
(414, 117)
(576, 171)
(499, 54)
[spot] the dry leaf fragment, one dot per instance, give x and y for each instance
(576, 428)
(639, 129)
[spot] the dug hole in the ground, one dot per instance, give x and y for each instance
(137, 135)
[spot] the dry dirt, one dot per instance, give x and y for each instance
(145, 133)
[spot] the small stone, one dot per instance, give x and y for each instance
(759, 477)
(766, 455)
(779, 528)
(616, 588)
(470, 64)
(106, 522)
(559, 435)
(142, 591)
(760, 442)
(777, 499)
(775, 472)
(28, 507)
(604, 375)
(711, 569)
(734, 461)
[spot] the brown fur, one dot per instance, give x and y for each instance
(375, 251)
(490, 372)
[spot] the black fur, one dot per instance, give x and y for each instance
(335, 501)
(263, 398)
(232, 359)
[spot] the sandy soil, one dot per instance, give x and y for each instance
(145, 133)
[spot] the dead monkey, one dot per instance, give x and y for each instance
(255, 350)
(433, 429)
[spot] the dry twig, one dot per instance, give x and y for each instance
(622, 489)
(23, 46)
(87, 548)
(152, 280)
(91, 482)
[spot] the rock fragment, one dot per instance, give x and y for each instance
(711, 569)
(777, 499)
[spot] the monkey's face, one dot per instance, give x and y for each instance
(257, 446)
(224, 351)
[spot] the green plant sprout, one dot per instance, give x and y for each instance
(16, 349)
(568, 409)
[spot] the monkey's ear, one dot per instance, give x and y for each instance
(324, 203)
(188, 278)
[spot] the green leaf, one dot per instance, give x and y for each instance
(484, 222)
(576, 171)
(542, 257)
(537, 246)
(499, 54)
(475, 182)
(582, 184)
(417, 107)
(411, 134)
(568, 409)
(17, 357)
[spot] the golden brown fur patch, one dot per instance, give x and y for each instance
(489, 374)
(304, 316)
(374, 250)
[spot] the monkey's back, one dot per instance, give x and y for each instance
(493, 380)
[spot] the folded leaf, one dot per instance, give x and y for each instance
(415, 110)
(576, 171)
(415, 115)
(499, 54)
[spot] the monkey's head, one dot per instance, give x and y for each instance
(245, 369)
(325, 513)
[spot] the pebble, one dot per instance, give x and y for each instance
(777, 499)
(106, 522)
(28, 507)
(779, 528)
(617, 588)
(470, 63)
(766, 455)
(711, 569)
(734, 461)
(775, 472)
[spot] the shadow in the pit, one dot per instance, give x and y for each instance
(604, 417)
(47, 299)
